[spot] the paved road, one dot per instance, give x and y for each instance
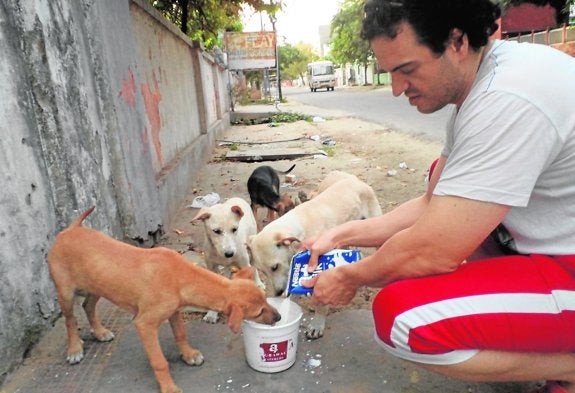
(378, 106)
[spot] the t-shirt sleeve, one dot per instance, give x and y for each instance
(499, 144)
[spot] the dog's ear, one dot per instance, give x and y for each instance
(249, 249)
(246, 272)
(285, 204)
(202, 215)
(287, 241)
(249, 242)
(238, 211)
(235, 317)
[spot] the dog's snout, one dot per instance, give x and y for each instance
(229, 254)
(277, 316)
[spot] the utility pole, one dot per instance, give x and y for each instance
(278, 78)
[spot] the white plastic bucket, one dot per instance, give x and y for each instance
(271, 349)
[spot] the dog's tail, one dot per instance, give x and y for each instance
(78, 221)
(288, 171)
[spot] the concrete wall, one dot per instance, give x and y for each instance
(105, 104)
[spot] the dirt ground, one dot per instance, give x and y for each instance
(394, 164)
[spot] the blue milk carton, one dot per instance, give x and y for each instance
(299, 273)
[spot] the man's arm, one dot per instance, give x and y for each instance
(438, 234)
(373, 232)
(438, 242)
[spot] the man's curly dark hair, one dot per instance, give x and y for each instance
(432, 20)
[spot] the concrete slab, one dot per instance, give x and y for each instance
(269, 154)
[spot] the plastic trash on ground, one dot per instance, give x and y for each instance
(205, 200)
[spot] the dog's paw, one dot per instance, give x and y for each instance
(315, 327)
(313, 334)
(173, 389)
(75, 357)
(211, 317)
(104, 336)
(195, 358)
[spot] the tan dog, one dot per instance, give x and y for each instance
(330, 179)
(153, 284)
(227, 227)
(272, 249)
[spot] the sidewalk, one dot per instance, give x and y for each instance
(346, 359)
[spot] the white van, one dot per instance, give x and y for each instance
(321, 74)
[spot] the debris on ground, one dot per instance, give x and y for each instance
(205, 200)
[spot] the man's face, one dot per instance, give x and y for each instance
(428, 80)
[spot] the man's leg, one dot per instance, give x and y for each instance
(504, 319)
(497, 366)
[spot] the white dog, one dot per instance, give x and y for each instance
(227, 227)
(271, 249)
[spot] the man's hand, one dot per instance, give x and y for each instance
(308, 245)
(317, 245)
(331, 286)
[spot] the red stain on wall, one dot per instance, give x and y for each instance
(146, 141)
(152, 103)
(128, 91)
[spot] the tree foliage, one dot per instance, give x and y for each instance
(204, 20)
(347, 46)
(294, 60)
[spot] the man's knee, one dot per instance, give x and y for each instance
(387, 305)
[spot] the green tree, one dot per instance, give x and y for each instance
(346, 44)
(294, 60)
(204, 20)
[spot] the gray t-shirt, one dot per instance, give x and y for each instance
(512, 142)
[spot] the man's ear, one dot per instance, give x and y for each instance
(458, 40)
(458, 48)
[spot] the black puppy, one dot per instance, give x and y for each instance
(264, 190)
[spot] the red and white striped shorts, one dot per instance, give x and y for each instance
(520, 303)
